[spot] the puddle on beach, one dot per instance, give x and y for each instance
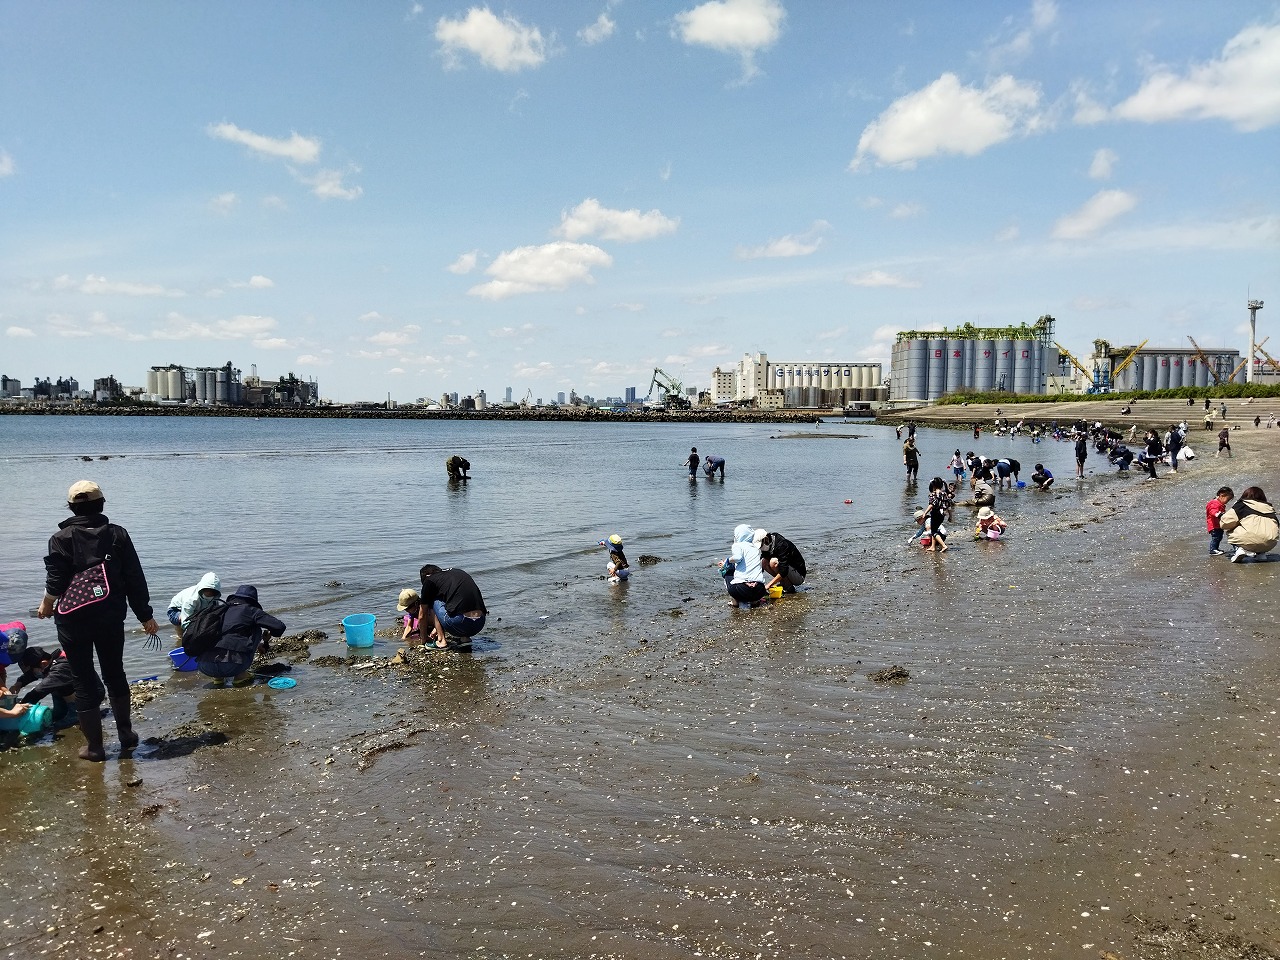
(660, 776)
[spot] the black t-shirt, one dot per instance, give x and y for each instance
(784, 551)
(456, 588)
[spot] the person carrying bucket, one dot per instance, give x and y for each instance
(246, 627)
(455, 605)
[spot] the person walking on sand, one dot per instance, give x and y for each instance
(89, 615)
(1082, 454)
(1175, 444)
(1213, 511)
(911, 459)
(1251, 525)
(1224, 441)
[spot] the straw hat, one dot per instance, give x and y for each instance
(986, 513)
(408, 597)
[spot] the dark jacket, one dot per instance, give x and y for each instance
(244, 622)
(84, 542)
(778, 547)
(32, 686)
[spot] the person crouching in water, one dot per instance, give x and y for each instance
(781, 558)
(457, 467)
(46, 674)
(409, 605)
(1042, 478)
(989, 525)
(246, 627)
(743, 576)
(618, 567)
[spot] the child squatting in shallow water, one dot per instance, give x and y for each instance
(989, 525)
(618, 567)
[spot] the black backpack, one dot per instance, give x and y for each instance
(205, 629)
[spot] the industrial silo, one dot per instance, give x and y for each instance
(201, 395)
(221, 386)
(1178, 375)
(937, 360)
(917, 369)
(984, 365)
(174, 389)
(1004, 363)
(1150, 366)
(955, 365)
(1202, 372)
(1022, 366)
(1162, 372)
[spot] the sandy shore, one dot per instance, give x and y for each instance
(1084, 762)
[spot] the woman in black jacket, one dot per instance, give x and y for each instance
(82, 542)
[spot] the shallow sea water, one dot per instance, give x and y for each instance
(620, 771)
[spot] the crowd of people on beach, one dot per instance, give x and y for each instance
(1250, 524)
(94, 577)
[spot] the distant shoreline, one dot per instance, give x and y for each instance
(536, 415)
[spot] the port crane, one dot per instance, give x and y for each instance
(1104, 379)
(672, 390)
(1200, 355)
(1085, 371)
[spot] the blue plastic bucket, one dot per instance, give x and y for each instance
(36, 719)
(182, 660)
(359, 629)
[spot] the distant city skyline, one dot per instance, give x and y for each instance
(412, 199)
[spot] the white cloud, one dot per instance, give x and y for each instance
(328, 185)
(7, 166)
(296, 149)
(396, 370)
(835, 334)
(1104, 162)
(905, 211)
(1044, 13)
(791, 245)
(744, 27)
(1008, 233)
(537, 370)
(503, 44)
(455, 339)
(272, 202)
(597, 32)
(878, 278)
(311, 360)
(1242, 86)
(512, 333)
(272, 343)
(390, 338)
(96, 325)
(946, 117)
(1098, 211)
(97, 286)
(18, 332)
(464, 264)
(415, 11)
(370, 317)
(551, 266)
(224, 203)
(242, 327)
(590, 219)
(629, 307)
(259, 282)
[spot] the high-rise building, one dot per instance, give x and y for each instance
(560, 398)
(631, 394)
(507, 396)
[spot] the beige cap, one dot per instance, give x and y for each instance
(83, 491)
(408, 597)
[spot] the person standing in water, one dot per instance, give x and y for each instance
(911, 459)
(692, 462)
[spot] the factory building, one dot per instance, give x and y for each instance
(1159, 368)
(801, 383)
(928, 364)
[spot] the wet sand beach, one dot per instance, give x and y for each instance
(1082, 762)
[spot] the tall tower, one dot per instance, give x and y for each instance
(1254, 307)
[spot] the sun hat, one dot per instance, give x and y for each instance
(82, 491)
(759, 535)
(919, 514)
(986, 513)
(615, 540)
(408, 597)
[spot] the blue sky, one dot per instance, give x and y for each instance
(410, 198)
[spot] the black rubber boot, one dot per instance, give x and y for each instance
(120, 709)
(91, 727)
